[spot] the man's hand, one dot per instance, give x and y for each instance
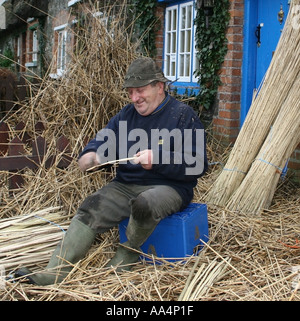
(88, 160)
(145, 158)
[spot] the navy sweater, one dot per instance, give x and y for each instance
(173, 157)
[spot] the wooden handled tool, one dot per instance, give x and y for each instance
(110, 163)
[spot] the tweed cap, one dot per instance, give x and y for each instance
(142, 72)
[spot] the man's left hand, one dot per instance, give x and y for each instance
(145, 158)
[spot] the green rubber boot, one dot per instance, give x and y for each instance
(72, 248)
(126, 256)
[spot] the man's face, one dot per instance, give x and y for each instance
(146, 99)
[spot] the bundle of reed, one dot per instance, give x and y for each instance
(90, 92)
(262, 249)
(29, 239)
(257, 189)
(76, 106)
(263, 112)
(199, 283)
(247, 258)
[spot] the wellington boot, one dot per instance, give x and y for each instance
(124, 258)
(72, 248)
(137, 234)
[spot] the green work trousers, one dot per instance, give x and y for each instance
(145, 204)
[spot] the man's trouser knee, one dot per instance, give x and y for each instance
(145, 205)
(147, 209)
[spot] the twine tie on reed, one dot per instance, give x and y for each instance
(234, 170)
(55, 224)
(266, 162)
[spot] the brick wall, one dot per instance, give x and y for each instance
(226, 121)
(294, 165)
(29, 40)
(159, 39)
(62, 17)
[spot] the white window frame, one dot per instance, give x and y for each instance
(19, 48)
(61, 50)
(185, 40)
(196, 63)
(171, 42)
(184, 58)
(34, 45)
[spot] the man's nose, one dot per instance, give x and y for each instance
(134, 96)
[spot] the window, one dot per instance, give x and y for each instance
(18, 50)
(34, 45)
(32, 48)
(61, 51)
(179, 51)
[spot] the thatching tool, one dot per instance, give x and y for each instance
(112, 162)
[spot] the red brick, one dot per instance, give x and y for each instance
(227, 123)
(229, 114)
(235, 46)
(236, 13)
(227, 134)
(294, 165)
(232, 106)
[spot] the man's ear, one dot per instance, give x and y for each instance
(161, 87)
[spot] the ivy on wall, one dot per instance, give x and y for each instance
(6, 60)
(210, 38)
(146, 24)
(211, 43)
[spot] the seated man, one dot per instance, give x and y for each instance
(166, 143)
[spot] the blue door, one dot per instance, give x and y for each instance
(264, 22)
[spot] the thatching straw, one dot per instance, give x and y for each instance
(257, 189)
(246, 258)
(262, 114)
(30, 239)
(76, 106)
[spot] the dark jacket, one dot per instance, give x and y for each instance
(174, 133)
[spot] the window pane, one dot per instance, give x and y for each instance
(34, 45)
(168, 20)
(181, 66)
(187, 65)
(179, 59)
(173, 70)
(189, 17)
(61, 50)
(183, 18)
(188, 46)
(168, 42)
(171, 42)
(185, 42)
(174, 19)
(182, 38)
(174, 42)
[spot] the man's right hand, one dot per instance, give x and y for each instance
(88, 160)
